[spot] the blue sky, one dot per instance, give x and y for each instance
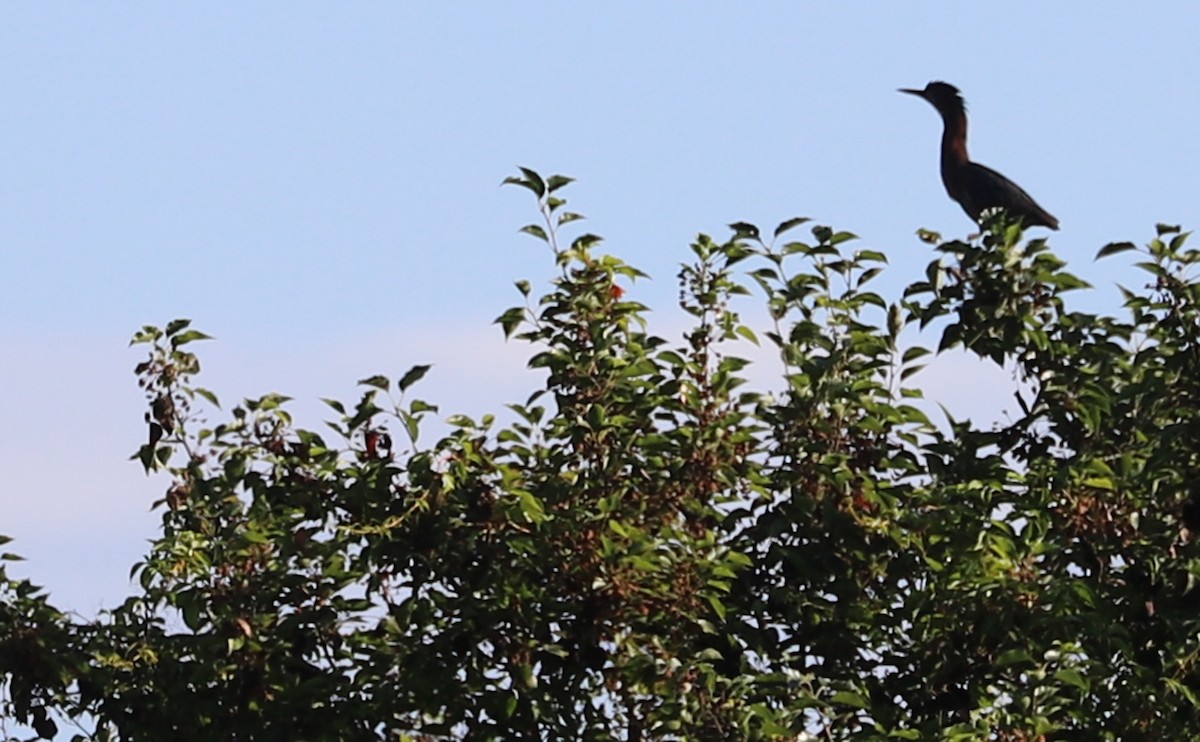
(317, 185)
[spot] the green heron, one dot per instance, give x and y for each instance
(976, 188)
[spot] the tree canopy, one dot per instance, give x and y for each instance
(650, 548)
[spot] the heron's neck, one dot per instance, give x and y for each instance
(954, 139)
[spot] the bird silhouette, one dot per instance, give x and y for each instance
(976, 188)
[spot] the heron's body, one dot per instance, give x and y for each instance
(975, 187)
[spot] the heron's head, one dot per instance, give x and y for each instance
(942, 95)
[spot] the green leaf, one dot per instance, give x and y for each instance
(929, 237)
(536, 231)
(184, 338)
(585, 241)
(176, 325)
(717, 606)
(193, 616)
(869, 274)
(412, 376)
(671, 358)
(789, 224)
(1013, 657)
(531, 507)
(1073, 677)
(770, 726)
(148, 334)
(1183, 690)
(511, 320)
(747, 333)
(895, 321)
(530, 180)
(418, 406)
(1178, 241)
(744, 230)
(554, 182)
(534, 180)
(848, 698)
(378, 381)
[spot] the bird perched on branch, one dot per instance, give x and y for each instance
(976, 188)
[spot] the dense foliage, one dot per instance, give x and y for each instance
(652, 550)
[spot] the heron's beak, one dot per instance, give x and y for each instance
(910, 91)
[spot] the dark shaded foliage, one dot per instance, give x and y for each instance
(651, 550)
